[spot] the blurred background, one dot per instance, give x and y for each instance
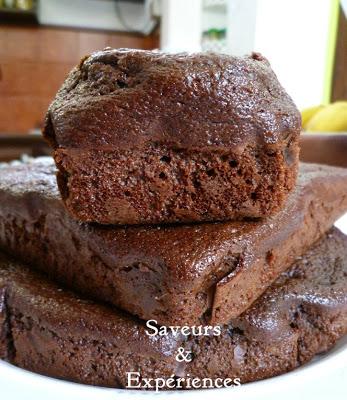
(305, 41)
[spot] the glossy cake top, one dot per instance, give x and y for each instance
(136, 98)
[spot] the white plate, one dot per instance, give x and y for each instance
(325, 377)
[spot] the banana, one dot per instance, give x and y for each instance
(332, 118)
(308, 113)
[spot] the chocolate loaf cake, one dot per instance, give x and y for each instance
(142, 137)
(50, 331)
(174, 274)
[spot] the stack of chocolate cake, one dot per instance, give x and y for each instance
(176, 197)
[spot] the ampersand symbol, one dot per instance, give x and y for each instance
(184, 355)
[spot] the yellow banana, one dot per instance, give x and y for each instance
(308, 113)
(332, 118)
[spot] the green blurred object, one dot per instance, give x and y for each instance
(24, 4)
(215, 34)
(9, 3)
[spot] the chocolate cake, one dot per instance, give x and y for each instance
(51, 331)
(302, 314)
(145, 137)
(202, 273)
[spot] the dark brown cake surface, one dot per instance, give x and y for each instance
(147, 137)
(174, 274)
(48, 330)
(302, 314)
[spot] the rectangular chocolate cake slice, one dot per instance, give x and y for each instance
(144, 137)
(173, 274)
(52, 331)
